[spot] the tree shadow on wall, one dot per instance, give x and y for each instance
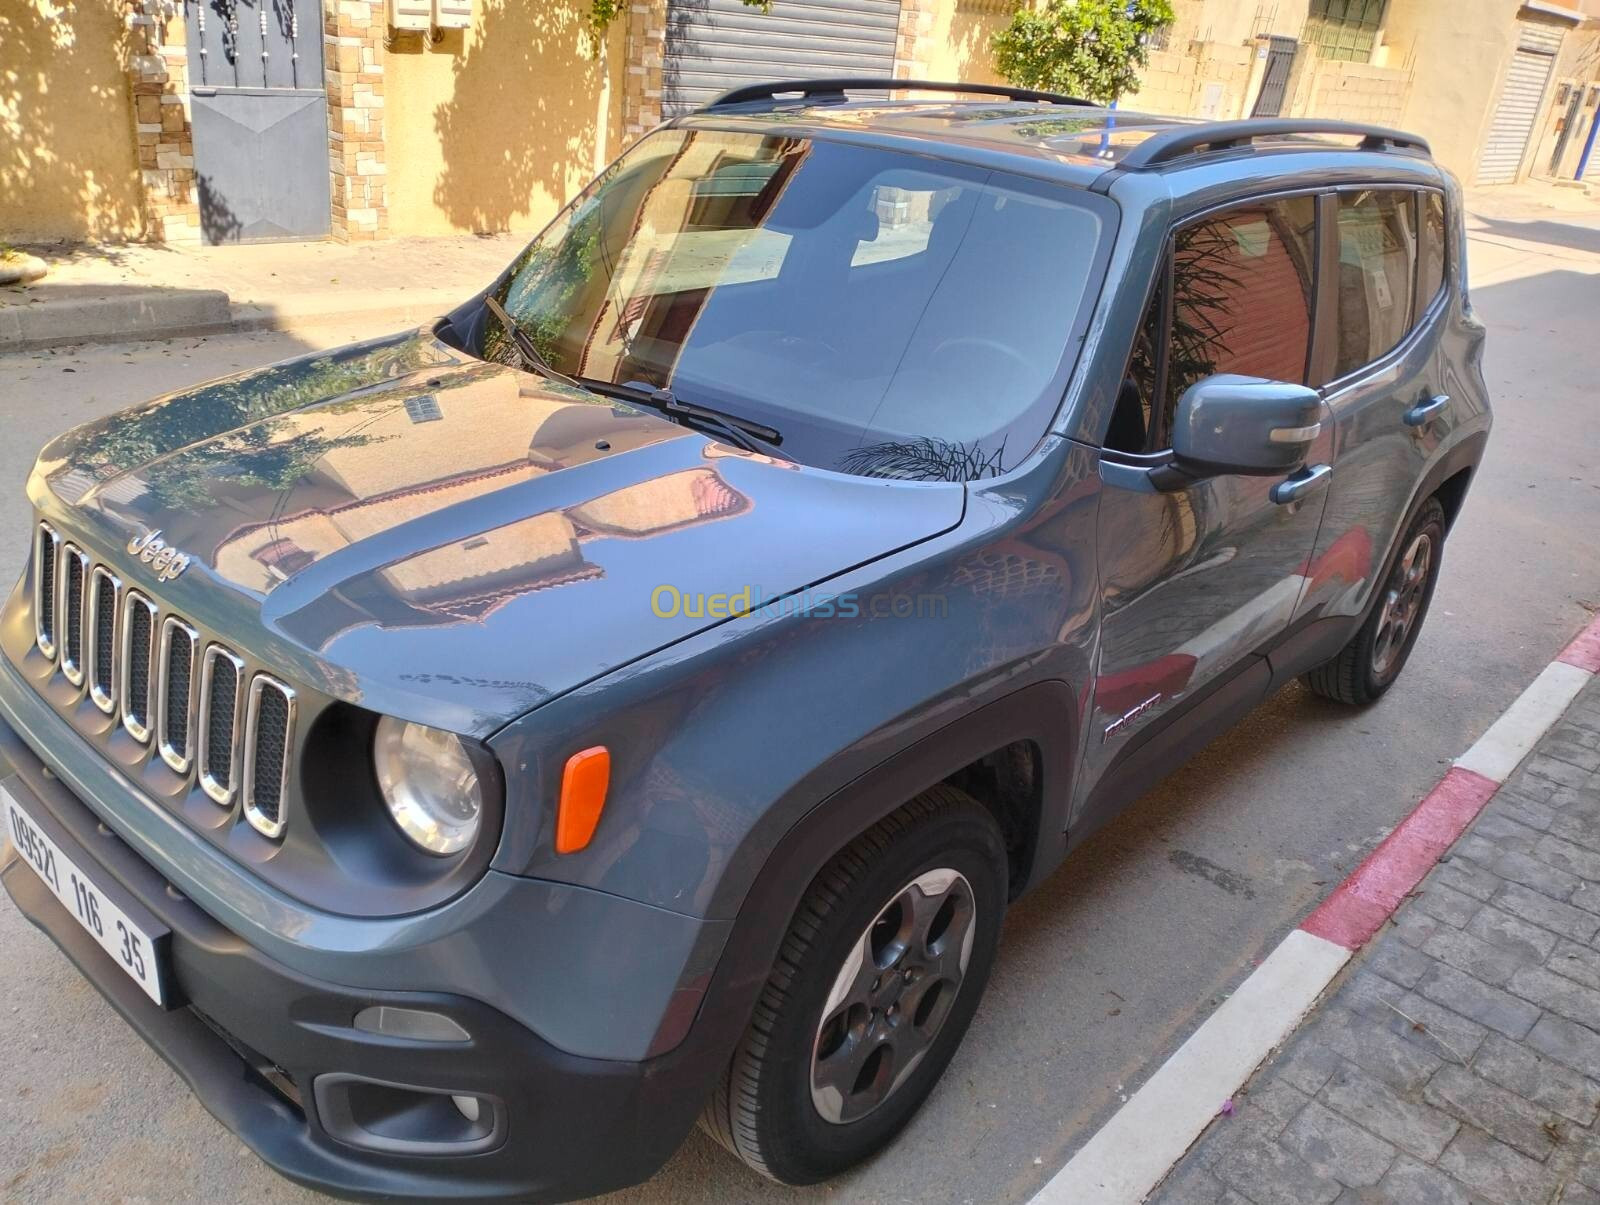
(973, 25)
(521, 120)
(68, 158)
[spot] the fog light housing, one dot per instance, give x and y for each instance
(403, 1119)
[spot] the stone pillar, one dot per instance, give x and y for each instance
(641, 87)
(158, 69)
(912, 41)
(353, 64)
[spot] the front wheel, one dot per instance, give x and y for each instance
(1366, 667)
(875, 985)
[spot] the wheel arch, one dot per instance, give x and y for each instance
(1025, 740)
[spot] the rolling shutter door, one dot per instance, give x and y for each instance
(1520, 97)
(714, 45)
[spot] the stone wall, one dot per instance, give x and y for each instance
(159, 78)
(1200, 79)
(642, 69)
(357, 158)
(1348, 91)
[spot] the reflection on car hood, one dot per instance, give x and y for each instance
(450, 540)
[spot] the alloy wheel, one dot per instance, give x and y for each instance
(1402, 603)
(892, 996)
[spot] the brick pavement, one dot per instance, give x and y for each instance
(1457, 1059)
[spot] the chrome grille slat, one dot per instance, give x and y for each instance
(46, 556)
(221, 676)
(175, 709)
(104, 601)
(269, 728)
(138, 652)
(74, 584)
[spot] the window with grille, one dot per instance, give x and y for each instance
(1344, 29)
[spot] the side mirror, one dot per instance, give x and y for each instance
(1246, 425)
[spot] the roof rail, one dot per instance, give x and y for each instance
(834, 90)
(1224, 135)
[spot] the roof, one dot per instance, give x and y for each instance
(1075, 140)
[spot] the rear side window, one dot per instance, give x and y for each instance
(1240, 284)
(1434, 247)
(1377, 257)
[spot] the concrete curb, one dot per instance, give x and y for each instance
(1128, 1157)
(180, 313)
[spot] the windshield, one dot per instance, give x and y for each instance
(889, 314)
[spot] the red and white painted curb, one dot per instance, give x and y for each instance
(1129, 1156)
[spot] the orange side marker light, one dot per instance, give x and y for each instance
(583, 798)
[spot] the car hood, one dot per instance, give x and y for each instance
(408, 528)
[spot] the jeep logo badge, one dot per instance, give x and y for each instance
(166, 560)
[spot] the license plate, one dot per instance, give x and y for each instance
(132, 946)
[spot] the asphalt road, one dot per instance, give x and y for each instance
(1106, 969)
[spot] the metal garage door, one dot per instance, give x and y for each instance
(1520, 98)
(714, 45)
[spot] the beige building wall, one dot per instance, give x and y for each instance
(69, 166)
(1453, 91)
(1577, 67)
(957, 45)
(495, 127)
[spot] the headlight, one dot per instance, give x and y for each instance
(429, 783)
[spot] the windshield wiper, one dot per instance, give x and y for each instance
(736, 429)
(527, 348)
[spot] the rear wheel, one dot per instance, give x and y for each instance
(1366, 667)
(874, 987)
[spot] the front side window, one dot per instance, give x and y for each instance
(1377, 256)
(1240, 284)
(890, 314)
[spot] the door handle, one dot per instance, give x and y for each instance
(1302, 485)
(1424, 413)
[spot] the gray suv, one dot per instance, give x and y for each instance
(472, 756)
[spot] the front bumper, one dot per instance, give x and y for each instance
(267, 1049)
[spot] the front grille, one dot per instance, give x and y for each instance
(266, 753)
(47, 546)
(175, 715)
(103, 647)
(138, 653)
(205, 715)
(219, 723)
(74, 584)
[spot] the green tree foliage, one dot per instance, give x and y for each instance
(1088, 48)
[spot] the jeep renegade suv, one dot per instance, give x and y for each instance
(471, 756)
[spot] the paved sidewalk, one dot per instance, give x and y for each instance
(129, 292)
(1458, 1057)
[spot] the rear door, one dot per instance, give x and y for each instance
(1195, 580)
(1385, 379)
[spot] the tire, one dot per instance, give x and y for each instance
(1366, 667)
(798, 1119)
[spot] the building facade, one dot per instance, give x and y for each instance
(211, 121)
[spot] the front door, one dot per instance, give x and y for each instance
(259, 112)
(1195, 580)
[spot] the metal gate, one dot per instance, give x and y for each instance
(1275, 80)
(714, 45)
(259, 113)
(1520, 97)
